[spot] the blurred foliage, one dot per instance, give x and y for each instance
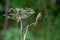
(35, 33)
(14, 34)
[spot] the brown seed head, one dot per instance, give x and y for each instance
(38, 18)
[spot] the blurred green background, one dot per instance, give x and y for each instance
(35, 33)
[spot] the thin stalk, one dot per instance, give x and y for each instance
(48, 20)
(6, 20)
(21, 29)
(27, 30)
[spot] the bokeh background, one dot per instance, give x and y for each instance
(41, 31)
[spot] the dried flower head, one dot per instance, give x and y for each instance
(38, 18)
(21, 13)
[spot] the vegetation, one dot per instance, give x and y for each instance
(29, 26)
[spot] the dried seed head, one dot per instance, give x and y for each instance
(38, 18)
(22, 12)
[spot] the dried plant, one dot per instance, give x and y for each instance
(20, 13)
(38, 18)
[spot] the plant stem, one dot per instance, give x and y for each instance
(6, 20)
(48, 19)
(27, 30)
(21, 29)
